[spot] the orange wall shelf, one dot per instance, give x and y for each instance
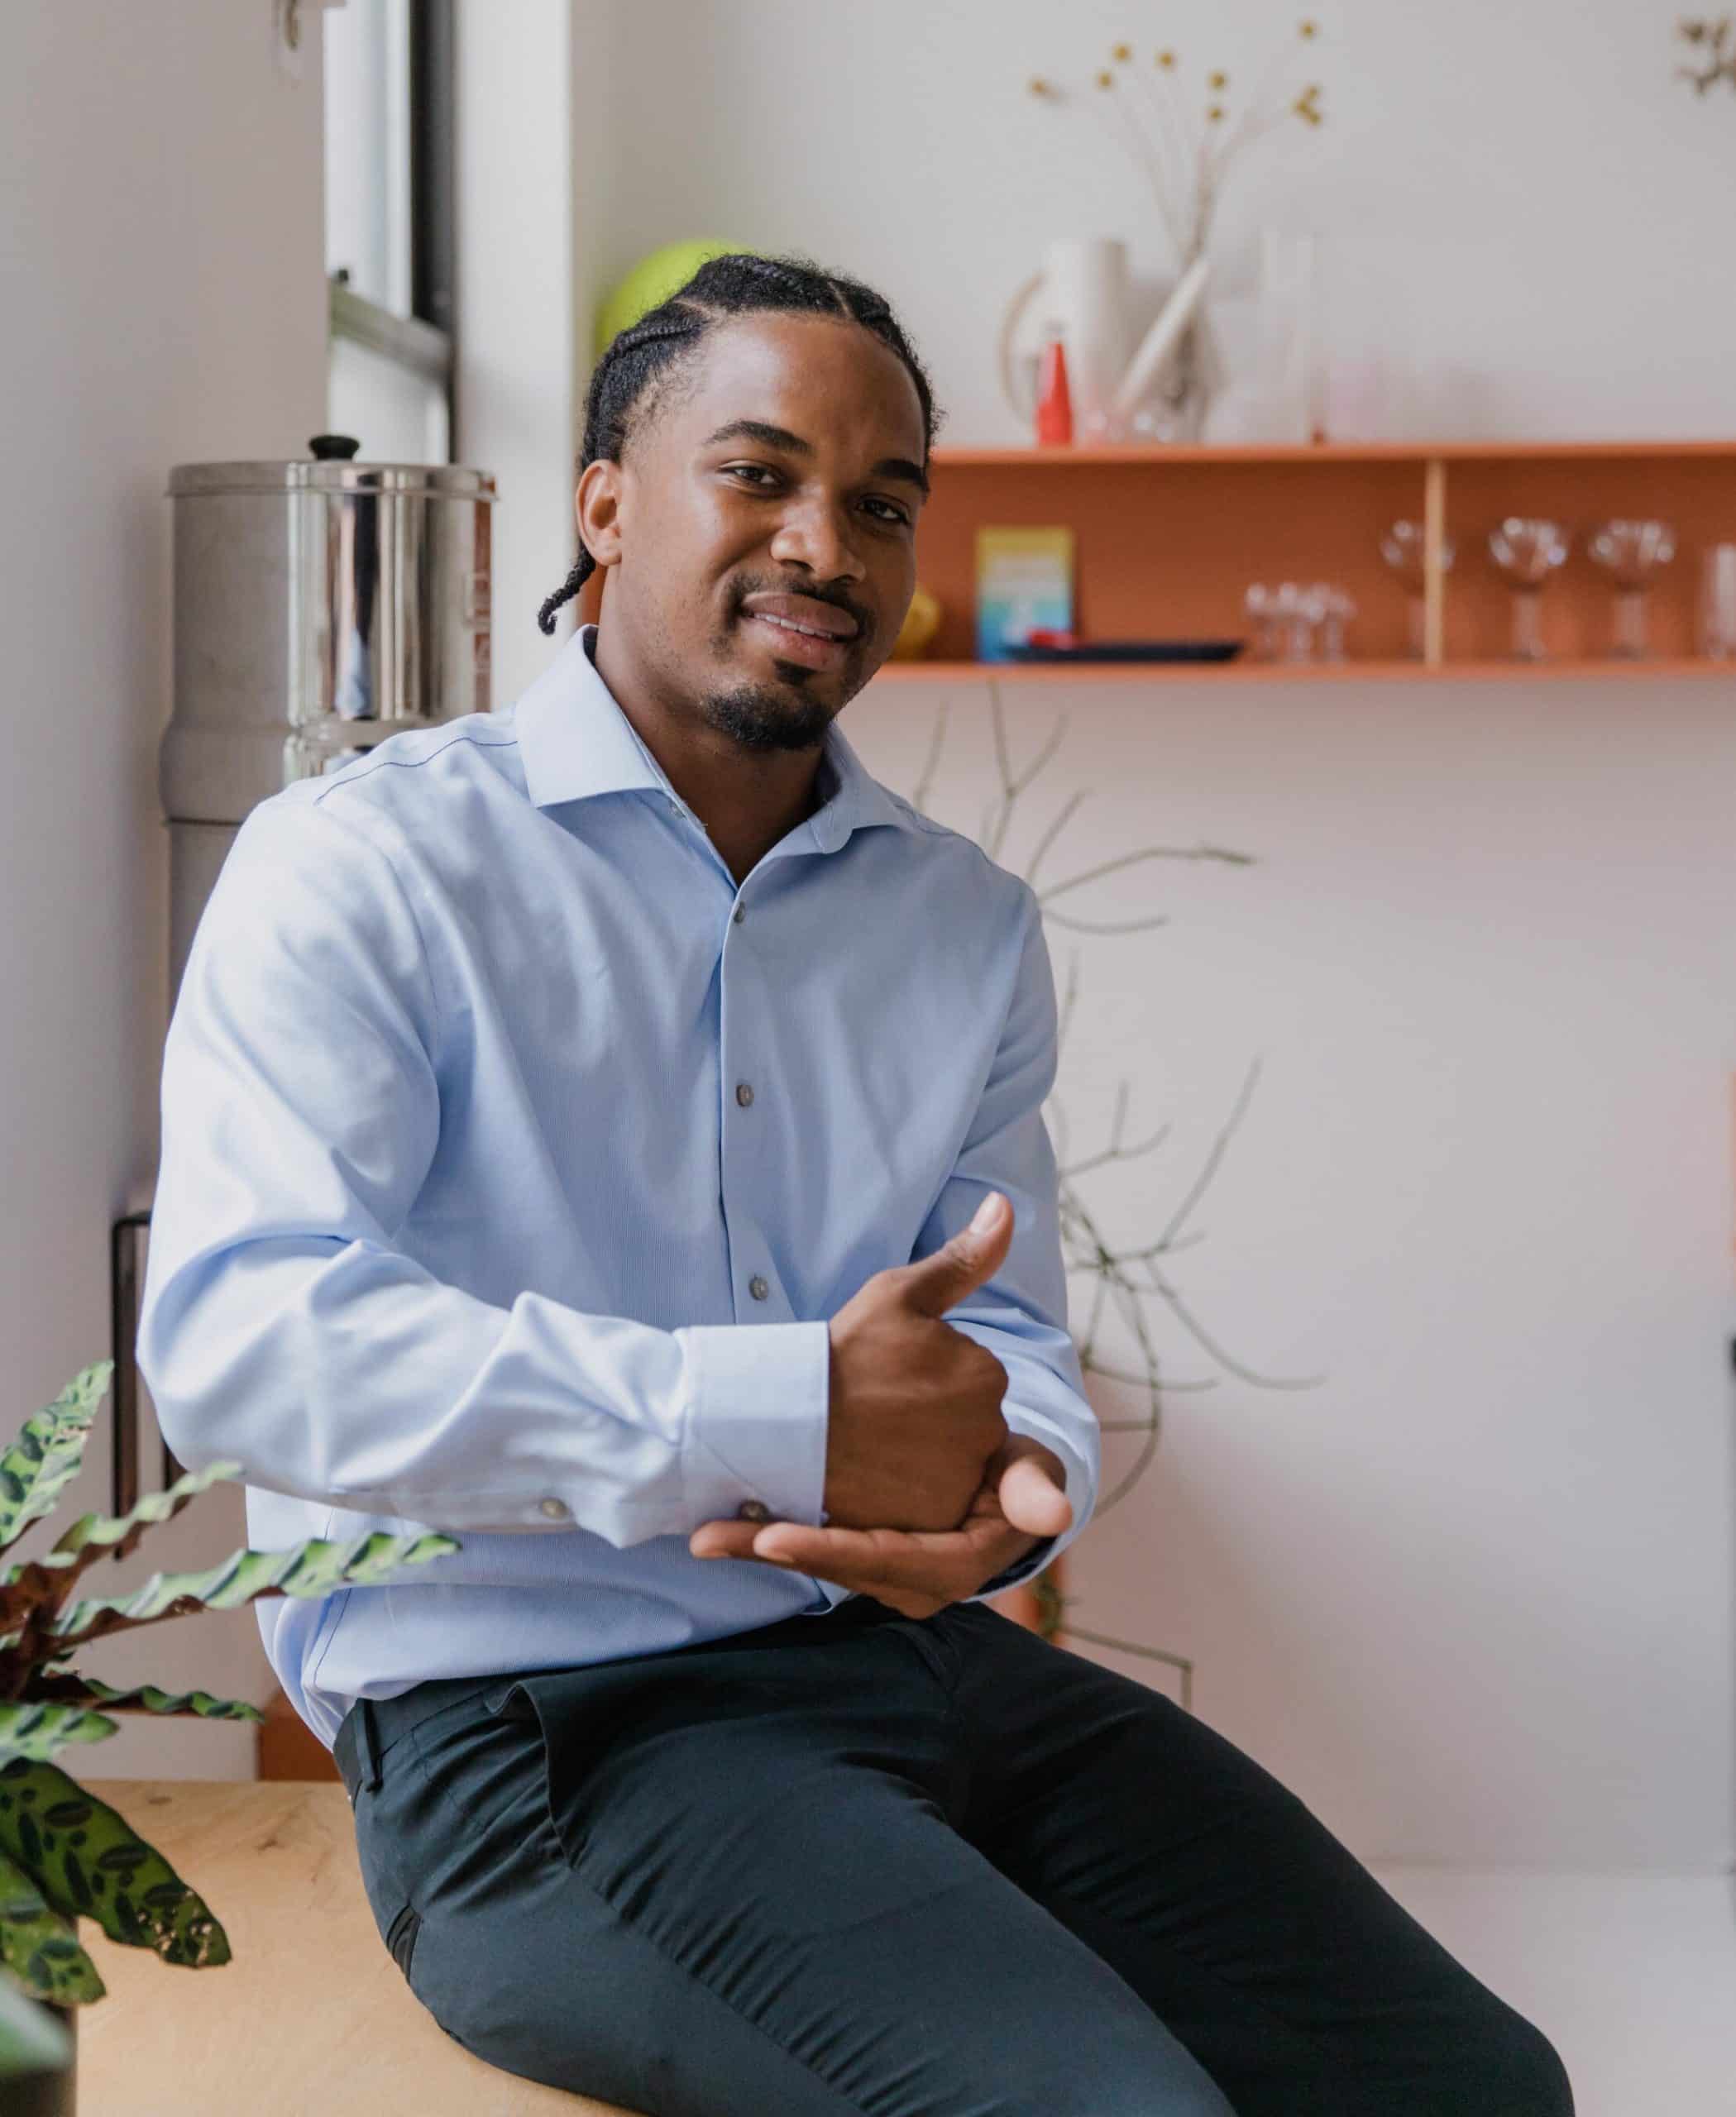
(1354, 669)
(1168, 539)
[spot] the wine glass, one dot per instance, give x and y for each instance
(1284, 618)
(1631, 552)
(1336, 610)
(1404, 547)
(1527, 549)
(1299, 612)
(1261, 606)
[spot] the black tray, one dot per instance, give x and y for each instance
(1133, 650)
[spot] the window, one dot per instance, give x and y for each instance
(389, 227)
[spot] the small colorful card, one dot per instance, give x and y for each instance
(1024, 581)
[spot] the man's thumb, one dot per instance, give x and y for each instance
(1032, 1501)
(958, 1267)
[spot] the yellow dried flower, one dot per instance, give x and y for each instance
(1040, 87)
(1122, 51)
(1310, 29)
(1106, 80)
(1166, 59)
(1215, 113)
(1217, 80)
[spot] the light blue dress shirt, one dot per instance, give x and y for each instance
(514, 1161)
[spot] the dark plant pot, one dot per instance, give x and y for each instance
(47, 2095)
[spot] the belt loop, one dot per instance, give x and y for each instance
(368, 1737)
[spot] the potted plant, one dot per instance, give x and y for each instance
(64, 1854)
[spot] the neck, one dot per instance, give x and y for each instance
(749, 801)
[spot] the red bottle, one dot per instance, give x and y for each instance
(1055, 404)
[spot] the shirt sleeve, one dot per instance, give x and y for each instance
(280, 1326)
(1020, 1314)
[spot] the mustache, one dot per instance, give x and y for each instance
(851, 609)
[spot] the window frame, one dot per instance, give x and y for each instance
(425, 342)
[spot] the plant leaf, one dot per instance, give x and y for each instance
(29, 1727)
(32, 1586)
(73, 1688)
(49, 1448)
(312, 1569)
(90, 1862)
(41, 1948)
(26, 1588)
(93, 1534)
(32, 2041)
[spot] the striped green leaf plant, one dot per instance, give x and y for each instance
(64, 1854)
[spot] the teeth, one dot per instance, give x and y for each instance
(789, 624)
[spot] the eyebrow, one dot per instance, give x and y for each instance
(761, 430)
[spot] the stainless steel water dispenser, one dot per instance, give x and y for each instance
(320, 606)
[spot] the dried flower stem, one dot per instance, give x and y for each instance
(1123, 1280)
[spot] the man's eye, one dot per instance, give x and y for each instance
(895, 513)
(749, 471)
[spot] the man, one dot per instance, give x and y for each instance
(576, 1121)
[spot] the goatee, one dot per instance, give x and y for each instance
(758, 719)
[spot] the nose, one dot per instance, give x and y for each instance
(817, 534)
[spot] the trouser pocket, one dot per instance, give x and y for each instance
(400, 1937)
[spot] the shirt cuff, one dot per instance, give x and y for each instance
(757, 1417)
(1024, 1568)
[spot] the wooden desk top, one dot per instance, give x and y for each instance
(311, 2013)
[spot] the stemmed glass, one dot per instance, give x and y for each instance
(1631, 552)
(1403, 548)
(1264, 615)
(1283, 617)
(1527, 549)
(1336, 609)
(1287, 619)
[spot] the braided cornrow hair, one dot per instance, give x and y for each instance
(631, 377)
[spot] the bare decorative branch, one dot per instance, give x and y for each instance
(1123, 1281)
(1148, 852)
(1052, 833)
(919, 798)
(1112, 926)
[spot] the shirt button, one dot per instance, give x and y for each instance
(754, 1510)
(555, 1509)
(757, 1288)
(743, 1094)
(737, 914)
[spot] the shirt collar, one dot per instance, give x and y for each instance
(575, 741)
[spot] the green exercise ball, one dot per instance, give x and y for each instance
(651, 281)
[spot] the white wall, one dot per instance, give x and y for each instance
(164, 301)
(1521, 201)
(518, 361)
(1472, 1596)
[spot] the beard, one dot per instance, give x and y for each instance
(757, 718)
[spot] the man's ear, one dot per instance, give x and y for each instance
(596, 506)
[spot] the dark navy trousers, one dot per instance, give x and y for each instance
(937, 1867)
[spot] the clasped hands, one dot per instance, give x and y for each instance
(928, 1494)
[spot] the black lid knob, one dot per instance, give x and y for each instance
(333, 448)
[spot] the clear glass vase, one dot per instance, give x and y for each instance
(1175, 408)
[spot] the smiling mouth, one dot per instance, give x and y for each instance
(789, 624)
(807, 646)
